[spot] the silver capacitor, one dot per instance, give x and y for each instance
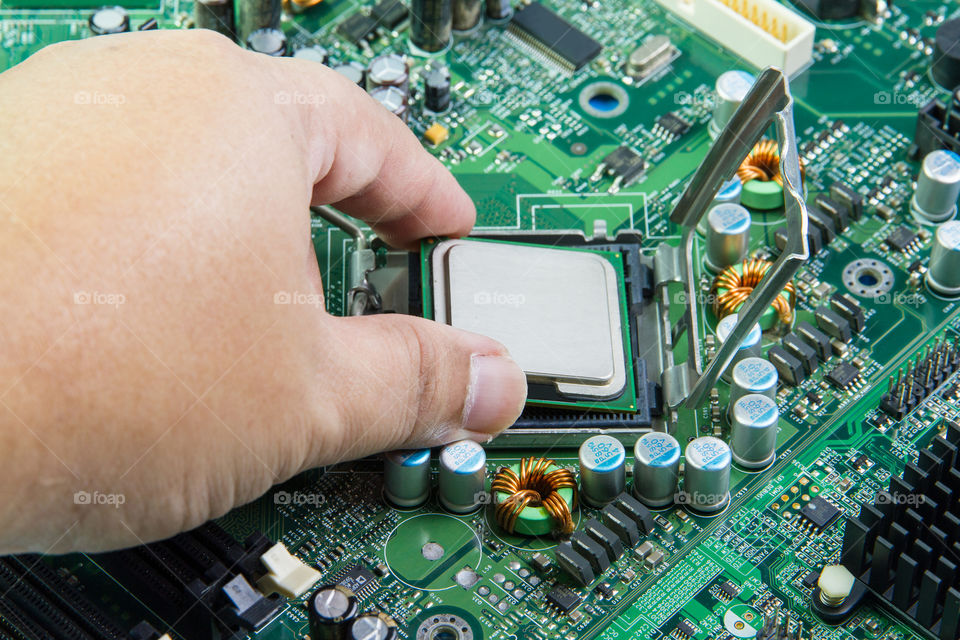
(943, 275)
(706, 474)
(753, 375)
(938, 187)
(466, 15)
(749, 347)
(393, 98)
(728, 235)
(389, 70)
(753, 430)
(656, 465)
(354, 72)
(603, 474)
(731, 88)
(406, 477)
(729, 192)
(463, 476)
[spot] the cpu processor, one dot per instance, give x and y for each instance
(560, 311)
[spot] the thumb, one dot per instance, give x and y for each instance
(418, 383)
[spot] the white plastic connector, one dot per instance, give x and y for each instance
(835, 584)
(763, 32)
(287, 574)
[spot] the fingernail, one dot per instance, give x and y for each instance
(496, 395)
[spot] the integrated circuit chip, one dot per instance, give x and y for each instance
(843, 375)
(547, 32)
(902, 239)
(625, 165)
(563, 598)
(820, 513)
(389, 13)
(359, 580)
(357, 27)
(671, 125)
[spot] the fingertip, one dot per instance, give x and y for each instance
(496, 395)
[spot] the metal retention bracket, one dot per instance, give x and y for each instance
(768, 102)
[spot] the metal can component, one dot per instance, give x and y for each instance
(388, 70)
(728, 236)
(753, 375)
(753, 430)
(354, 72)
(216, 15)
(499, 10)
(750, 347)
(938, 187)
(463, 476)
(431, 22)
(656, 467)
(603, 473)
(253, 15)
(943, 275)
(731, 88)
(706, 475)
(406, 477)
(109, 20)
(466, 15)
(393, 98)
(271, 42)
(378, 626)
(315, 53)
(330, 610)
(436, 88)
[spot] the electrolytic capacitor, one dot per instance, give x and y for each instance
(938, 187)
(729, 193)
(656, 466)
(753, 375)
(463, 476)
(109, 20)
(499, 10)
(728, 236)
(431, 22)
(330, 610)
(943, 275)
(406, 477)
(731, 88)
(753, 430)
(315, 53)
(215, 15)
(253, 15)
(389, 70)
(706, 474)
(945, 65)
(393, 98)
(353, 71)
(603, 474)
(436, 88)
(749, 347)
(373, 627)
(466, 15)
(271, 42)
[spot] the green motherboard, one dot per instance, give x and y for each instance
(583, 141)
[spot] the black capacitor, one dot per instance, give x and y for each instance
(108, 20)
(499, 10)
(466, 14)
(252, 15)
(430, 24)
(373, 627)
(354, 71)
(269, 41)
(216, 15)
(436, 89)
(331, 609)
(946, 55)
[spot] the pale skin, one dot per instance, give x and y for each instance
(154, 195)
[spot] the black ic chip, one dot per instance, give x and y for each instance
(729, 590)
(359, 580)
(843, 375)
(673, 125)
(687, 629)
(901, 239)
(357, 27)
(820, 513)
(626, 164)
(389, 13)
(547, 31)
(563, 598)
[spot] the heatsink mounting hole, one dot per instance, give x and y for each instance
(868, 278)
(604, 99)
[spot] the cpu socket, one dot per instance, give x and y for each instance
(560, 311)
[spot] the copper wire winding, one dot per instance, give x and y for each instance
(739, 285)
(763, 163)
(535, 487)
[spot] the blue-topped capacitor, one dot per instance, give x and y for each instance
(406, 477)
(728, 235)
(603, 473)
(753, 431)
(753, 375)
(750, 346)
(656, 466)
(706, 474)
(463, 476)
